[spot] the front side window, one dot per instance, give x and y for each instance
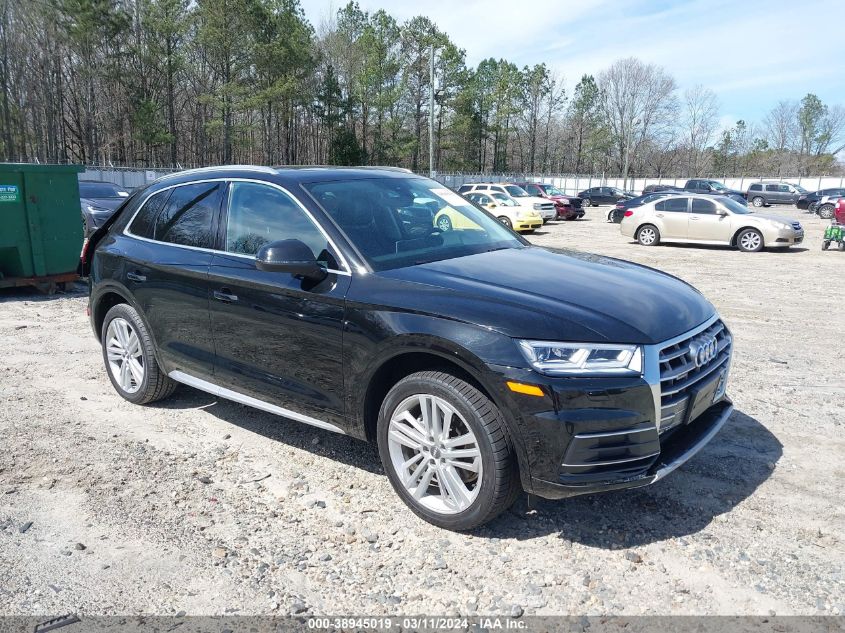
(516, 192)
(259, 214)
(784, 189)
(676, 205)
(551, 190)
(703, 206)
(717, 186)
(188, 217)
(370, 213)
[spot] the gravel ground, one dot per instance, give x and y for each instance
(206, 507)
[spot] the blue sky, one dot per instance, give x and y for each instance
(752, 53)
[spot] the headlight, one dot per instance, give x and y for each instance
(561, 359)
(520, 214)
(564, 200)
(783, 226)
(91, 209)
(537, 206)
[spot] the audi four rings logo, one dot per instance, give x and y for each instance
(703, 351)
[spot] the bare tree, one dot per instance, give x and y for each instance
(637, 99)
(700, 120)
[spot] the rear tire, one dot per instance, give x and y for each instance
(826, 211)
(487, 480)
(586, 202)
(648, 235)
(129, 355)
(749, 241)
(757, 201)
(825, 245)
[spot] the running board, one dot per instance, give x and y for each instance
(249, 401)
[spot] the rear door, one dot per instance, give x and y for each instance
(773, 195)
(673, 217)
(165, 267)
(278, 338)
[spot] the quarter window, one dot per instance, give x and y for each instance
(260, 214)
(144, 223)
(756, 188)
(677, 205)
(188, 216)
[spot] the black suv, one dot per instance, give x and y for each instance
(334, 297)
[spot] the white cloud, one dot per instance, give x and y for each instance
(747, 52)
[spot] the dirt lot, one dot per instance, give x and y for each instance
(202, 506)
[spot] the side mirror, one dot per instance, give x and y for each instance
(720, 211)
(492, 205)
(290, 256)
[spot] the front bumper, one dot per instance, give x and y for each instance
(788, 237)
(590, 434)
(568, 212)
(530, 224)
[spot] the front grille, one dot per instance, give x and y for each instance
(796, 226)
(547, 206)
(679, 374)
(575, 202)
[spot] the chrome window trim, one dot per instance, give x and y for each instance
(345, 272)
(228, 394)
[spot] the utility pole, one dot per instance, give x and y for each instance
(431, 172)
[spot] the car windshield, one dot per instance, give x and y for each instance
(717, 185)
(551, 190)
(101, 190)
(516, 192)
(505, 201)
(734, 206)
(397, 222)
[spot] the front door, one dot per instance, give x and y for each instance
(278, 338)
(706, 224)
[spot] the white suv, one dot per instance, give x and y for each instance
(543, 206)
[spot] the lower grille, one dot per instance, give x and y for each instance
(681, 372)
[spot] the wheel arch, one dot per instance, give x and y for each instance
(743, 228)
(444, 356)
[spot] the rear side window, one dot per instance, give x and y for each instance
(188, 217)
(677, 205)
(757, 187)
(772, 188)
(144, 223)
(260, 214)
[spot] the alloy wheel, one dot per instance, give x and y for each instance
(750, 241)
(757, 202)
(647, 236)
(435, 454)
(125, 356)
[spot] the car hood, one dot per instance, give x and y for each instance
(552, 294)
(772, 217)
(104, 203)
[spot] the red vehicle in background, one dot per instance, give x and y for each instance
(839, 211)
(568, 207)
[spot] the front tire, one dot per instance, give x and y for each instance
(648, 235)
(757, 201)
(129, 355)
(826, 211)
(446, 452)
(825, 245)
(444, 224)
(506, 221)
(750, 241)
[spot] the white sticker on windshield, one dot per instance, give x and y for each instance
(449, 196)
(123, 194)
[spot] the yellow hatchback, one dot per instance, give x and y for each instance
(509, 212)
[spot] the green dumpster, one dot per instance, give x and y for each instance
(40, 224)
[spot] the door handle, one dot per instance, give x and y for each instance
(225, 295)
(136, 277)
(693, 217)
(659, 215)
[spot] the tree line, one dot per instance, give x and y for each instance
(204, 82)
